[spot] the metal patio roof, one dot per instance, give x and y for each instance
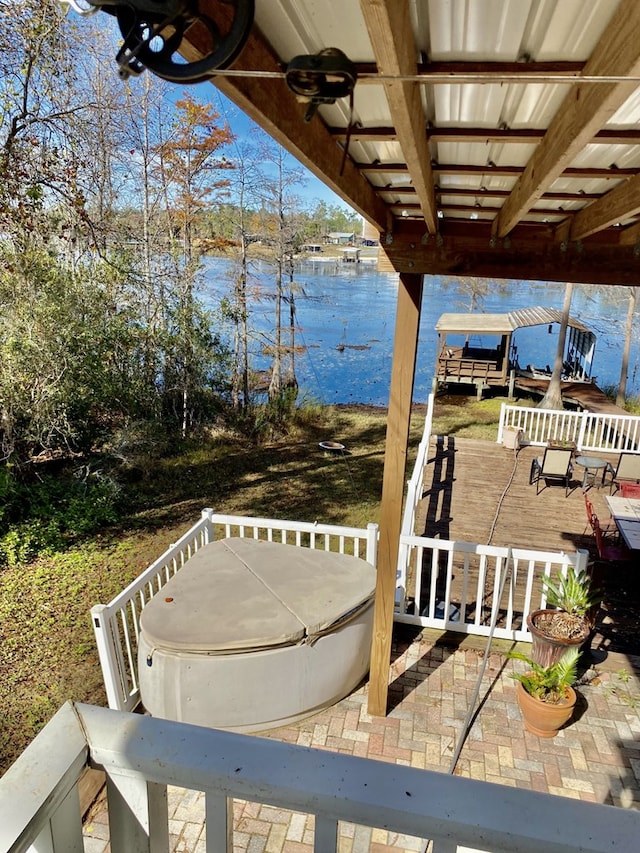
(495, 138)
(503, 324)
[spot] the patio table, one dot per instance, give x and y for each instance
(626, 514)
(591, 465)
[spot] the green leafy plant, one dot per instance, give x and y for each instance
(571, 593)
(548, 683)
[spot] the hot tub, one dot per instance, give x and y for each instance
(250, 635)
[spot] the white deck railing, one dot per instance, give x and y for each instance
(591, 432)
(428, 565)
(117, 624)
(415, 487)
(141, 756)
(479, 572)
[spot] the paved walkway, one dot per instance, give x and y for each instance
(596, 758)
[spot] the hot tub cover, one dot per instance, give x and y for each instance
(241, 594)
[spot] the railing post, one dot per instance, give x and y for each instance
(372, 544)
(138, 814)
(207, 516)
(584, 417)
(110, 659)
(503, 414)
(582, 560)
(219, 820)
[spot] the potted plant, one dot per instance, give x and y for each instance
(568, 619)
(545, 694)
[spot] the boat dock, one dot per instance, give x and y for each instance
(586, 395)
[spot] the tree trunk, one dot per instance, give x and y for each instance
(290, 378)
(624, 368)
(553, 398)
(275, 385)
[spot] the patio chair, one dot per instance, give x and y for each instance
(607, 530)
(610, 552)
(554, 465)
(628, 468)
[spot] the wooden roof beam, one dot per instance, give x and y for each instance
(622, 202)
(585, 109)
(483, 192)
(391, 34)
(605, 136)
(577, 172)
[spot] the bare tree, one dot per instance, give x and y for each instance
(282, 230)
(191, 167)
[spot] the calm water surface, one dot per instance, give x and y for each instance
(346, 322)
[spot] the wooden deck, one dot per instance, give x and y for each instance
(478, 491)
(586, 395)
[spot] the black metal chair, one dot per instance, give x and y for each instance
(554, 465)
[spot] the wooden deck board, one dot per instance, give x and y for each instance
(478, 491)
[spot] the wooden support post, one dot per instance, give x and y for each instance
(395, 461)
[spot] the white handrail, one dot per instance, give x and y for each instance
(142, 756)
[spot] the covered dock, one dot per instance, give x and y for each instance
(480, 349)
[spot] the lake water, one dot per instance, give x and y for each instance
(346, 323)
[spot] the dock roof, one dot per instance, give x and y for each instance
(503, 324)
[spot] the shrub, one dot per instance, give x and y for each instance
(45, 516)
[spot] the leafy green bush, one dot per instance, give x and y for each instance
(46, 515)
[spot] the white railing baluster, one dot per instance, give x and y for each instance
(219, 821)
(138, 813)
(326, 835)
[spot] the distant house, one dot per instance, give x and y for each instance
(312, 248)
(340, 238)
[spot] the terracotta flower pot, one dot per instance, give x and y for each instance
(547, 650)
(543, 719)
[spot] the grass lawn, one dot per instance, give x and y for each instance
(47, 648)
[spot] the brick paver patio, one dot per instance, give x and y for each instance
(596, 758)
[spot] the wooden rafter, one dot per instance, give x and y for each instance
(483, 135)
(484, 192)
(391, 34)
(492, 169)
(621, 203)
(585, 110)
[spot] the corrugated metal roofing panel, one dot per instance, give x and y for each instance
(504, 323)
(498, 324)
